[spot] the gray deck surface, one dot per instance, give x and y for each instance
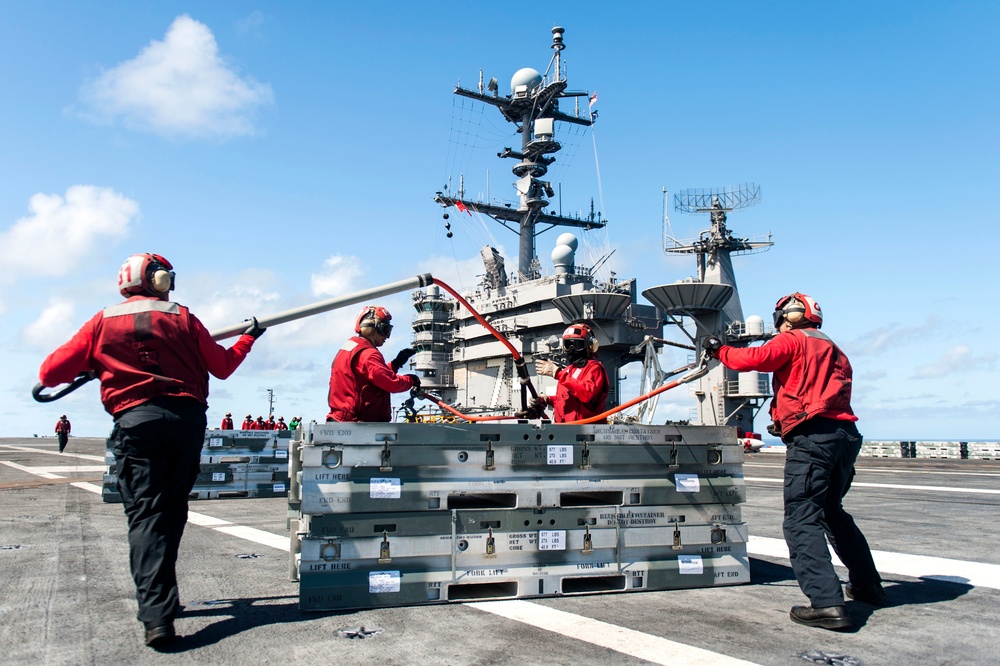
(66, 596)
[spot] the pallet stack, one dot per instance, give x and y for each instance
(234, 464)
(401, 514)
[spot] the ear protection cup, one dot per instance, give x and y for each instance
(162, 281)
(376, 319)
(793, 314)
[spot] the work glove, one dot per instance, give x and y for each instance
(774, 430)
(712, 345)
(546, 367)
(535, 410)
(414, 380)
(254, 329)
(401, 358)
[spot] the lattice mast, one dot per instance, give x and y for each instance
(533, 106)
(715, 246)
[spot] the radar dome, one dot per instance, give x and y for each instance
(568, 239)
(562, 255)
(755, 325)
(526, 76)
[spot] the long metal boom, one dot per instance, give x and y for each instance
(323, 306)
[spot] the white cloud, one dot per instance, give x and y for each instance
(339, 276)
(180, 86)
(53, 327)
(61, 232)
(957, 359)
(894, 335)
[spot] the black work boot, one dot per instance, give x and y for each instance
(830, 617)
(159, 637)
(870, 594)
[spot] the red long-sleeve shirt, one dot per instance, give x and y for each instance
(581, 393)
(144, 348)
(360, 383)
(812, 376)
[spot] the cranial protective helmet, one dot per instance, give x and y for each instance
(798, 309)
(249, 416)
(229, 414)
(579, 340)
(374, 318)
(148, 274)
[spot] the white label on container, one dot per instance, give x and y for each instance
(218, 476)
(279, 487)
(687, 483)
(383, 581)
(281, 453)
(384, 489)
(214, 442)
(690, 564)
(560, 454)
(552, 540)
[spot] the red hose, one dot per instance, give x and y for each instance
(522, 371)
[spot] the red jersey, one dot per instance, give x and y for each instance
(141, 349)
(63, 425)
(270, 424)
(582, 392)
(812, 376)
(247, 424)
(361, 382)
(227, 423)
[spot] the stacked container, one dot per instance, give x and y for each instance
(400, 514)
(234, 463)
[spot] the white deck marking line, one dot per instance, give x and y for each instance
(896, 486)
(977, 574)
(31, 470)
(620, 639)
(28, 449)
(90, 487)
(879, 470)
(257, 536)
(72, 468)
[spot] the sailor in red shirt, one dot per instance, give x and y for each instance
(281, 425)
(247, 423)
(153, 358)
(269, 424)
(811, 412)
(582, 389)
(360, 380)
(227, 422)
(63, 427)
(260, 424)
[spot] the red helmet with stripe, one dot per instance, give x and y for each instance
(374, 318)
(797, 309)
(579, 339)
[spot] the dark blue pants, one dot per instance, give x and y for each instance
(819, 467)
(158, 453)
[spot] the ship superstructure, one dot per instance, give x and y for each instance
(710, 301)
(469, 368)
(457, 356)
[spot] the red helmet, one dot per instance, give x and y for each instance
(579, 339)
(148, 274)
(375, 318)
(797, 308)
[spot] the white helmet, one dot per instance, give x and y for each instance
(148, 274)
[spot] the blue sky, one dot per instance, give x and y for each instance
(284, 153)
